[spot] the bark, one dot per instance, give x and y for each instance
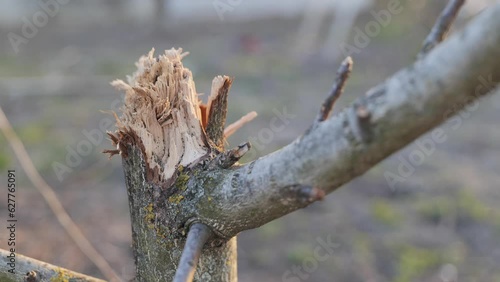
(178, 174)
(32, 270)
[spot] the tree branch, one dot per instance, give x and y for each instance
(442, 26)
(32, 270)
(386, 119)
(197, 237)
(337, 89)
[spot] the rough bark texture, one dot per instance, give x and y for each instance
(159, 226)
(177, 172)
(217, 110)
(166, 196)
(32, 270)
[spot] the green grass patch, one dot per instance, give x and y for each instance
(414, 262)
(385, 213)
(299, 252)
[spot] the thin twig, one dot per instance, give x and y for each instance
(441, 27)
(51, 198)
(197, 237)
(233, 127)
(337, 89)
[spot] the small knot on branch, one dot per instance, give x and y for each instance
(197, 236)
(363, 113)
(31, 277)
(229, 158)
(359, 120)
(311, 194)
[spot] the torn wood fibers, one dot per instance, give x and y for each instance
(165, 117)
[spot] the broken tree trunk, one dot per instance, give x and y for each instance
(167, 139)
(32, 270)
(178, 174)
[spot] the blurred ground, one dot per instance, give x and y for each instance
(442, 221)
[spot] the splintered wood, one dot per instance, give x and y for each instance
(164, 116)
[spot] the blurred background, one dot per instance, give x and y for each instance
(439, 222)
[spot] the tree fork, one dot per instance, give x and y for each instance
(178, 174)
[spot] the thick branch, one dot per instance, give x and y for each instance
(197, 237)
(387, 118)
(32, 270)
